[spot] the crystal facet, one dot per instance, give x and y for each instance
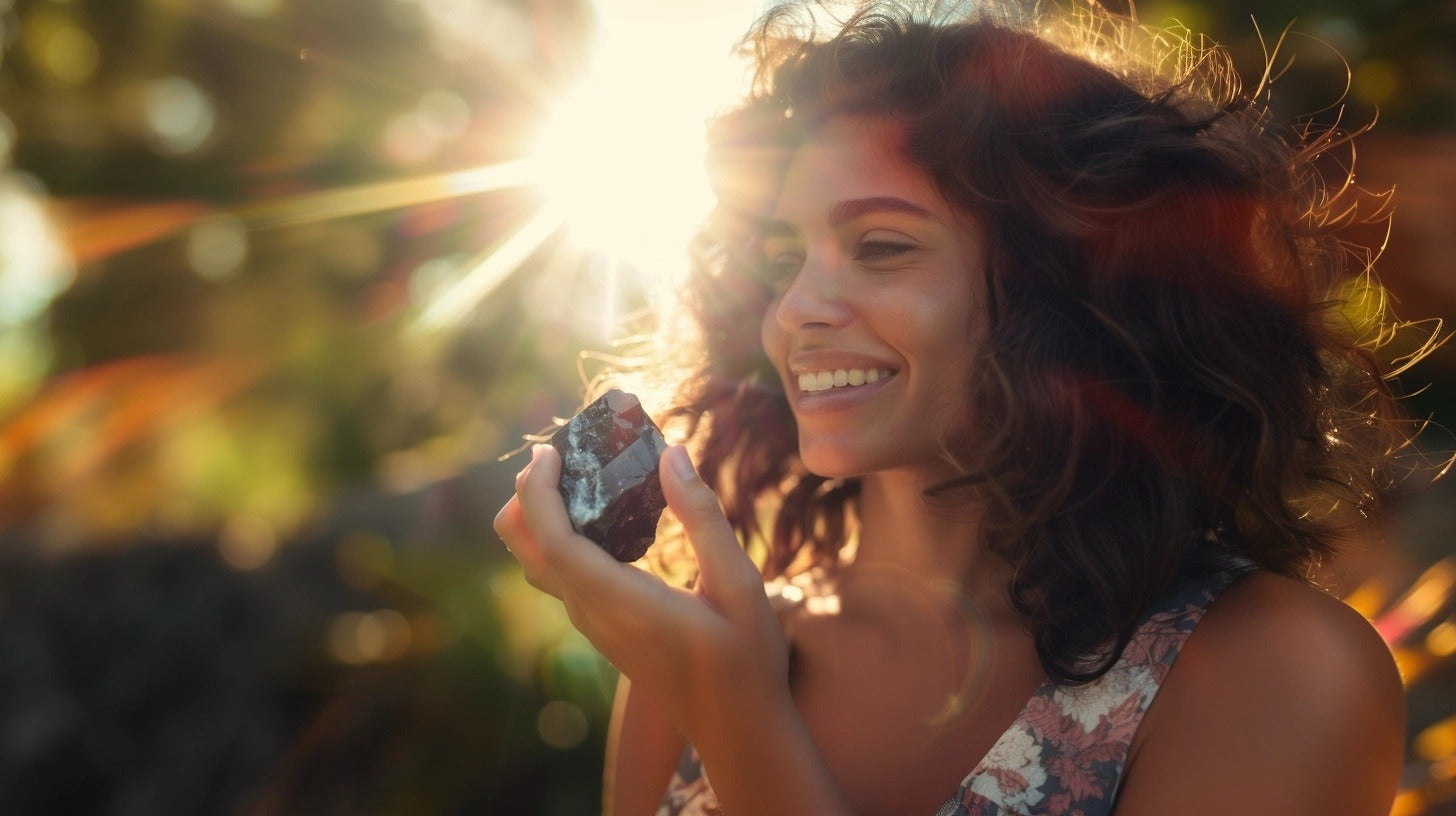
(609, 455)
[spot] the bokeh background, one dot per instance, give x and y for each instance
(282, 280)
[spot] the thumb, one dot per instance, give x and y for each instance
(727, 573)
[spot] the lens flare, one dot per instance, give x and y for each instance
(621, 161)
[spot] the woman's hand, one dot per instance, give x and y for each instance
(719, 642)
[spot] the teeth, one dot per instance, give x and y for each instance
(839, 378)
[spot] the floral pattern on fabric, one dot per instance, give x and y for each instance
(689, 794)
(1064, 754)
(1079, 738)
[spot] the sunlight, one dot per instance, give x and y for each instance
(619, 164)
(360, 199)
(486, 272)
(621, 161)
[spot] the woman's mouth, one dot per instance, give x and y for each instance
(824, 380)
(829, 390)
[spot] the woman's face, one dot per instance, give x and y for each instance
(879, 306)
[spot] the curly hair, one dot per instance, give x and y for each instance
(1172, 357)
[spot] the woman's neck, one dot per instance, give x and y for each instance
(938, 550)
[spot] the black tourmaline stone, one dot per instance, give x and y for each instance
(609, 456)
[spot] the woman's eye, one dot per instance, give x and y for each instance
(879, 250)
(780, 271)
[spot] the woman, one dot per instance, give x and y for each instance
(1029, 355)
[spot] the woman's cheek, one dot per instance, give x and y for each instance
(772, 338)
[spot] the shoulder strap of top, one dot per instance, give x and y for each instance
(1066, 751)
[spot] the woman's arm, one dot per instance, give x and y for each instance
(760, 757)
(643, 747)
(1283, 702)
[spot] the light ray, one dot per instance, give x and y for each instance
(621, 157)
(93, 231)
(613, 269)
(117, 403)
(389, 195)
(488, 271)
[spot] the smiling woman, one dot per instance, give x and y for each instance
(1022, 364)
(875, 275)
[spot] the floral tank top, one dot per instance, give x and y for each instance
(1064, 754)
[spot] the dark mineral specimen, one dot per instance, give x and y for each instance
(609, 456)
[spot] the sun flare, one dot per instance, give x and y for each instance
(621, 160)
(618, 164)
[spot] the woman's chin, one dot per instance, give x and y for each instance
(832, 464)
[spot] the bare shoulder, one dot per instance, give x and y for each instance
(1299, 632)
(1283, 700)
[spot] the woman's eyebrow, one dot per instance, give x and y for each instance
(846, 211)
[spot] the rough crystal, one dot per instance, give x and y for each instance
(609, 480)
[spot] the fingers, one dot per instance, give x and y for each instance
(545, 512)
(508, 522)
(575, 559)
(727, 571)
(510, 525)
(611, 603)
(646, 628)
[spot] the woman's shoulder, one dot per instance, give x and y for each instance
(1284, 692)
(1290, 630)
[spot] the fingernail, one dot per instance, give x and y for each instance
(682, 464)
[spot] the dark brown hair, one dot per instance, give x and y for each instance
(1172, 353)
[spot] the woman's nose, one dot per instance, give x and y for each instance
(814, 299)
